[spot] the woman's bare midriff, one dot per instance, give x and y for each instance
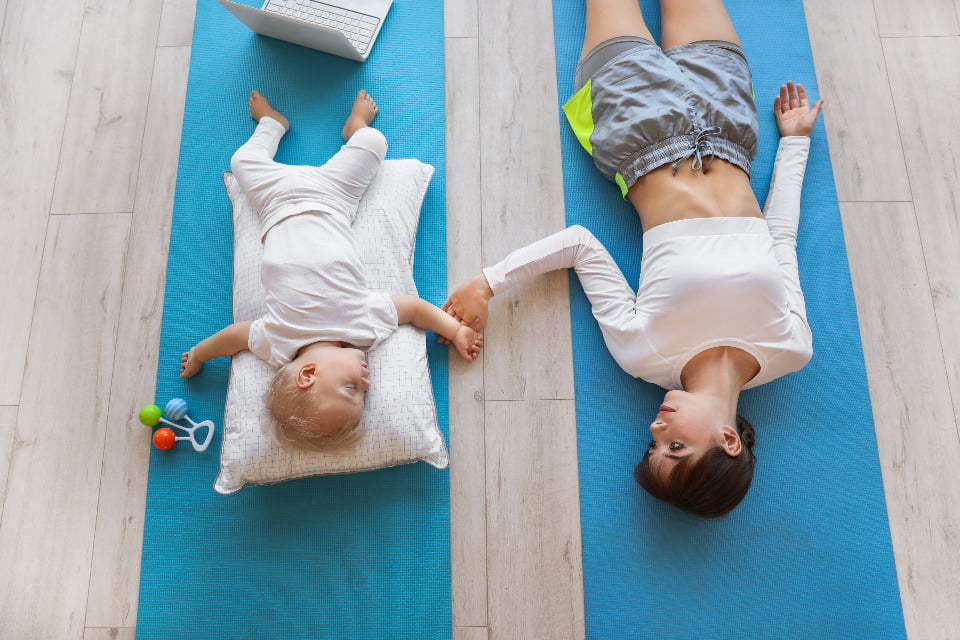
(722, 192)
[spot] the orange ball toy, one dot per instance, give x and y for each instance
(164, 438)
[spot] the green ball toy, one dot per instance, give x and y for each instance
(150, 415)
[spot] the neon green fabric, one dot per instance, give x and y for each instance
(579, 112)
(622, 184)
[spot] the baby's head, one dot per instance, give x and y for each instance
(317, 399)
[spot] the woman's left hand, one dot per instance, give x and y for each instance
(795, 116)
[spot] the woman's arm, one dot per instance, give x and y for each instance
(422, 314)
(228, 341)
(612, 300)
(795, 120)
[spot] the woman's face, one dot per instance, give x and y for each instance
(686, 427)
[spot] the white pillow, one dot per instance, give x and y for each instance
(400, 417)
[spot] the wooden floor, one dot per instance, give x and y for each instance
(91, 102)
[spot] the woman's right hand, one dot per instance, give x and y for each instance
(468, 303)
(795, 116)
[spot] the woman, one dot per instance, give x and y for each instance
(719, 307)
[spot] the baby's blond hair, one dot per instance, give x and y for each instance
(299, 423)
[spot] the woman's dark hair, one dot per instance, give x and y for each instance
(710, 486)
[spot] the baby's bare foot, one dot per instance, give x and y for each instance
(468, 303)
(361, 115)
(259, 107)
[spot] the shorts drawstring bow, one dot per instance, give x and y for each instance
(701, 147)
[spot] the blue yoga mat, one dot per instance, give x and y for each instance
(355, 556)
(807, 554)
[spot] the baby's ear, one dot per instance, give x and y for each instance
(306, 375)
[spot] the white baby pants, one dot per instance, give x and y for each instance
(277, 191)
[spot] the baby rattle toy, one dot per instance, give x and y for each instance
(176, 409)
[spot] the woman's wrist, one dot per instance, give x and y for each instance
(482, 284)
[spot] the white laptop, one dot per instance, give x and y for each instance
(345, 28)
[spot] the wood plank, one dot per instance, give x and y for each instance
(533, 522)
(467, 496)
(864, 141)
(917, 18)
(109, 633)
(470, 633)
(926, 108)
(460, 19)
(104, 127)
(49, 515)
(176, 23)
(115, 573)
(8, 441)
(915, 420)
(534, 574)
(38, 43)
(522, 196)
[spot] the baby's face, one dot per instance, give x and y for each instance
(342, 379)
(345, 367)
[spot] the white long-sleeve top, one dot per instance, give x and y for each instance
(316, 290)
(704, 283)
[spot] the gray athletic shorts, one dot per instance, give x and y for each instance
(637, 107)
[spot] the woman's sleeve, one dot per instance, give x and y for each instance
(782, 213)
(612, 300)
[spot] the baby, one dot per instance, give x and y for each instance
(321, 317)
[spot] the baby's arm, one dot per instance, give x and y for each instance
(422, 314)
(226, 342)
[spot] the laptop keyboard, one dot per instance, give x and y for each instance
(357, 27)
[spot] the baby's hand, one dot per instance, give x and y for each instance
(468, 342)
(189, 363)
